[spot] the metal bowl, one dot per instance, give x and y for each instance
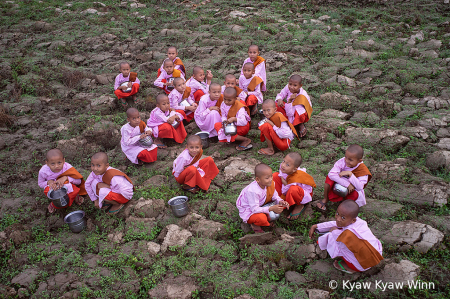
(262, 122)
(205, 138)
(179, 205)
(340, 190)
(76, 221)
(185, 103)
(125, 84)
(147, 141)
(175, 124)
(272, 215)
(261, 114)
(230, 129)
(59, 197)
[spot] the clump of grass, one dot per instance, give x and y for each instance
(5, 119)
(72, 79)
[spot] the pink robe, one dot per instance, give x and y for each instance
(284, 94)
(183, 160)
(119, 184)
(242, 96)
(120, 79)
(195, 85)
(358, 183)
(45, 175)
(167, 77)
(243, 84)
(157, 118)
(337, 249)
(242, 120)
(206, 118)
(131, 146)
(260, 71)
(306, 188)
(177, 66)
(175, 98)
(251, 199)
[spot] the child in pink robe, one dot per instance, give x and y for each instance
(198, 86)
(123, 77)
(207, 113)
(168, 74)
(132, 132)
(251, 85)
(258, 62)
(180, 94)
(230, 81)
(172, 53)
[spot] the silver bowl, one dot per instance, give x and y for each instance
(272, 215)
(261, 114)
(147, 141)
(204, 136)
(175, 124)
(179, 205)
(125, 84)
(262, 122)
(230, 129)
(59, 197)
(185, 103)
(340, 190)
(76, 221)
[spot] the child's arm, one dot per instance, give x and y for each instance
(241, 83)
(42, 180)
(116, 82)
(358, 182)
(136, 81)
(89, 189)
(284, 131)
(173, 99)
(282, 95)
(326, 226)
(241, 117)
(159, 82)
(129, 138)
(253, 202)
(201, 112)
(178, 165)
(334, 173)
(120, 184)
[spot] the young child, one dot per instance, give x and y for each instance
(161, 120)
(259, 193)
(132, 132)
(178, 95)
(207, 113)
(230, 81)
(277, 130)
(294, 184)
(298, 108)
(350, 172)
(133, 82)
(168, 74)
(57, 173)
(350, 238)
(251, 84)
(234, 111)
(191, 172)
(258, 62)
(108, 187)
(172, 54)
(197, 84)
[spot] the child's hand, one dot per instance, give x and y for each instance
(214, 108)
(195, 105)
(350, 188)
(292, 97)
(332, 229)
(209, 75)
(312, 230)
(276, 209)
(96, 202)
(190, 108)
(52, 184)
(103, 185)
(268, 121)
(177, 118)
(171, 119)
(143, 135)
(148, 133)
(283, 181)
(129, 84)
(232, 119)
(284, 204)
(280, 102)
(60, 182)
(346, 174)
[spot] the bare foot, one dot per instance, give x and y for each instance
(115, 208)
(322, 205)
(257, 229)
(159, 143)
(338, 265)
(245, 145)
(266, 151)
(79, 200)
(296, 212)
(51, 209)
(301, 130)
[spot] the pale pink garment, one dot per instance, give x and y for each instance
(119, 184)
(46, 174)
(177, 66)
(242, 96)
(242, 120)
(157, 118)
(243, 84)
(131, 146)
(175, 98)
(306, 188)
(284, 131)
(195, 85)
(252, 198)
(358, 183)
(120, 79)
(338, 249)
(206, 118)
(260, 71)
(184, 159)
(164, 75)
(284, 94)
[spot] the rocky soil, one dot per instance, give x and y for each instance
(378, 75)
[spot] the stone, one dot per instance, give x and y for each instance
(324, 18)
(444, 143)
(90, 11)
(368, 118)
(432, 44)
(443, 132)
(418, 132)
(335, 100)
(332, 113)
(103, 103)
(384, 209)
(439, 159)
(176, 236)
(429, 54)
(102, 79)
(237, 165)
(237, 14)
(369, 136)
(402, 272)
(149, 208)
(417, 88)
(414, 52)
(436, 103)
(116, 237)
(207, 228)
(56, 44)
(153, 248)
(294, 277)
(393, 144)
(236, 28)
(26, 278)
(180, 287)
(259, 238)
(245, 296)
(318, 294)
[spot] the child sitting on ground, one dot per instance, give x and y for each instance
(172, 55)
(349, 172)
(260, 192)
(258, 62)
(251, 85)
(191, 172)
(108, 187)
(57, 173)
(132, 132)
(197, 84)
(168, 74)
(230, 81)
(178, 95)
(350, 238)
(294, 184)
(234, 112)
(207, 113)
(277, 130)
(298, 107)
(161, 122)
(133, 83)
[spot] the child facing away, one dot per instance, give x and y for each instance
(230, 81)
(179, 94)
(121, 90)
(276, 129)
(132, 134)
(293, 184)
(349, 238)
(199, 87)
(108, 187)
(207, 113)
(191, 172)
(349, 172)
(234, 112)
(258, 62)
(298, 107)
(172, 54)
(251, 85)
(168, 74)
(165, 122)
(260, 192)
(57, 173)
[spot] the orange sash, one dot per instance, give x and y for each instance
(74, 174)
(301, 177)
(238, 90)
(196, 158)
(235, 108)
(254, 83)
(142, 126)
(278, 118)
(186, 93)
(109, 174)
(270, 192)
(176, 73)
(179, 62)
(362, 170)
(258, 61)
(302, 100)
(133, 77)
(364, 252)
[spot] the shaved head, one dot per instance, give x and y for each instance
(160, 98)
(196, 70)
(212, 85)
(103, 157)
(131, 111)
(194, 139)
(54, 153)
(269, 103)
(230, 77)
(177, 80)
(296, 158)
(123, 63)
(254, 46)
(357, 150)
(168, 62)
(296, 78)
(261, 169)
(230, 92)
(249, 64)
(350, 207)
(172, 48)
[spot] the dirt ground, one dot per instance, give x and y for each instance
(377, 73)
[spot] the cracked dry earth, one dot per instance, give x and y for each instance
(378, 75)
